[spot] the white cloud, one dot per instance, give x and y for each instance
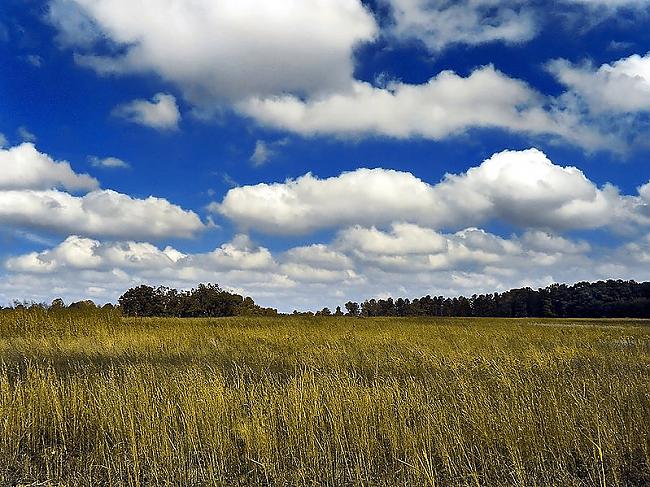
(550, 243)
(644, 191)
(404, 239)
(79, 263)
(636, 252)
(446, 105)
(221, 50)
(319, 256)
(75, 28)
(3, 140)
(360, 262)
(84, 253)
(308, 203)
(290, 65)
(307, 274)
(409, 247)
(24, 167)
(620, 87)
(241, 254)
(108, 162)
(523, 188)
(31, 198)
(319, 264)
(439, 23)
(160, 113)
(100, 212)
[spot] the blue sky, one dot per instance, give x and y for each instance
(308, 152)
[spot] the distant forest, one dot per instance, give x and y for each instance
(585, 299)
(602, 299)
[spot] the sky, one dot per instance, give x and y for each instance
(311, 152)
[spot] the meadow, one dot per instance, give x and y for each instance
(92, 398)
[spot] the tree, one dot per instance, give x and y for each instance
(352, 308)
(370, 308)
(211, 300)
(583, 299)
(338, 311)
(206, 300)
(85, 304)
(140, 301)
(57, 304)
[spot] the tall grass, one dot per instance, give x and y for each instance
(95, 399)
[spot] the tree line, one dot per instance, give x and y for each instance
(206, 300)
(58, 304)
(602, 299)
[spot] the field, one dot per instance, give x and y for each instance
(90, 398)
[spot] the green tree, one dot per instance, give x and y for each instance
(352, 308)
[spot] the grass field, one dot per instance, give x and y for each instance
(95, 399)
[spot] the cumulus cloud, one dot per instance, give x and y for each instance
(108, 162)
(3, 140)
(644, 192)
(404, 239)
(448, 104)
(24, 167)
(547, 242)
(306, 274)
(100, 212)
(239, 254)
(290, 65)
(411, 260)
(636, 252)
(77, 264)
(75, 28)
(409, 247)
(32, 197)
(84, 253)
(160, 113)
(359, 262)
(319, 256)
(308, 203)
(318, 264)
(601, 88)
(440, 23)
(523, 188)
(221, 50)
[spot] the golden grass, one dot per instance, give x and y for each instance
(95, 399)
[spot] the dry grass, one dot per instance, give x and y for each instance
(94, 399)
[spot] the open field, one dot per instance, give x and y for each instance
(90, 398)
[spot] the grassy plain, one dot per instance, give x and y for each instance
(96, 399)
